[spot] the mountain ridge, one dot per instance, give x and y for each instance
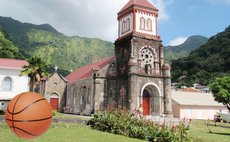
(206, 62)
(46, 42)
(183, 50)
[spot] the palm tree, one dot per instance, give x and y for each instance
(35, 70)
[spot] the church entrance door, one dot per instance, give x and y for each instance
(151, 100)
(54, 103)
(54, 99)
(146, 102)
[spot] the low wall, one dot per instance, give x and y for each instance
(58, 120)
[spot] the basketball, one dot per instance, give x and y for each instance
(28, 115)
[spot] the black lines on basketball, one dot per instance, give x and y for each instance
(23, 131)
(26, 106)
(29, 115)
(30, 120)
(13, 115)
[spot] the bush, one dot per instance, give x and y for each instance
(2, 112)
(54, 112)
(127, 124)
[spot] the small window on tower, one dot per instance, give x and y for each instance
(142, 23)
(123, 26)
(149, 24)
(148, 69)
(128, 24)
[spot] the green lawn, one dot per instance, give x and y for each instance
(66, 133)
(80, 133)
(200, 133)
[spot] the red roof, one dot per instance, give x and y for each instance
(12, 63)
(86, 71)
(191, 90)
(143, 3)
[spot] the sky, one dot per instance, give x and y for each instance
(178, 19)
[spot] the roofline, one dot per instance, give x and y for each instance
(139, 7)
(15, 68)
(220, 105)
(91, 77)
(204, 105)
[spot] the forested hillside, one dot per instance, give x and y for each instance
(23, 40)
(183, 50)
(55, 48)
(7, 49)
(207, 62)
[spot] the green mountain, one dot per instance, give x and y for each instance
(67, 53)
(54, 47)
(207, 62)
(183, 50)
(7, 49)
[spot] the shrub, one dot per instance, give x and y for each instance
(54, 112)
(127, 124)
(2, 112)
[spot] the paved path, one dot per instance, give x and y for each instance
(168, 121)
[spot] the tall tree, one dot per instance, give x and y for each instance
(221, 90)
(35, 70)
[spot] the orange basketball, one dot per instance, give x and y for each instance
(28, 115)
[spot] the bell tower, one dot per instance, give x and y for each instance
(140, 61)
(138, 17)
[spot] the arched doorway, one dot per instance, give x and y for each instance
(151, 100)
(146, 102)
(54, 100)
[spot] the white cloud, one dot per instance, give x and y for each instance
(178, 41)
(87, 18)
(162, 7)
(218, 2)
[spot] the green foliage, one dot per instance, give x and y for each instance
(207, 62)
(183, 50)
(54, 112)
(221, 90)
(35, 70)
(55, 48)
(7, 49)
(127, 124)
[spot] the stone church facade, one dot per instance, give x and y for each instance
(136, 78)
(54, 90)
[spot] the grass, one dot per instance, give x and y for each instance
(81, 133)
(66, 116)
(66, 133)
(200, 133)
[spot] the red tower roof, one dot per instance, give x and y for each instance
(142, 3)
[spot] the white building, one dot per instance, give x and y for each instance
(10, 82)
(195, 105)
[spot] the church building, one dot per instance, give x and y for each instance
(135, 78)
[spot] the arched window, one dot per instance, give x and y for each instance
(127, 24)
(142, 23)
(7, 84)
(81, 96)
(89, 97)
(149, 24)
(123, 26)
(148, 69)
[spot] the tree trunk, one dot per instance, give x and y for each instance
(32, 83)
